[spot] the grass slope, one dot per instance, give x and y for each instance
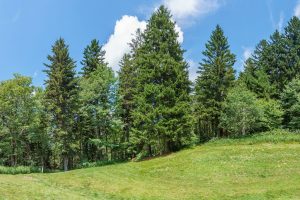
(265, 166)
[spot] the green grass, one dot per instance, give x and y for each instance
(19, 170)
(264, 166)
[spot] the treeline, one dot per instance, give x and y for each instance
(150, 108)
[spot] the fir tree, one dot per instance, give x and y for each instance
(216, 76)
(127, 89)
(95, 113)
(61, 97)
(162, 120)
(93, 56)
(126, 93)
(257, 80)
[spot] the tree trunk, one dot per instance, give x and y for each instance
(66, 163)
(42, 163)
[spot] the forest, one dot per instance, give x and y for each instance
(149, 107)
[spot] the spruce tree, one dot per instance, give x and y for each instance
(127, 90)
(257, 80)
(126, 93)
(216, 76)
(162, 120)
(279, 57)
(95, 110)
(61, 97)
(93, 56)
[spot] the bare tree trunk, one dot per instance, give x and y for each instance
(42, 162)
(66, 163)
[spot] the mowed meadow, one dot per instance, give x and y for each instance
(264, 166)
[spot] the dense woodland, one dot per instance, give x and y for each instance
(150, 107)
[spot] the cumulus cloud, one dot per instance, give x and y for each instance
(297, 10)
(180, 33)
(124, 32)
(117, 44)
(187, 9)
(247, 53)
(193, 68)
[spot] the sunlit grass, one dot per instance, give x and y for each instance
(264, 166)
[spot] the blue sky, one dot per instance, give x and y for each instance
(30, 27)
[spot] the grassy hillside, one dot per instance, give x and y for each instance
(265, 166)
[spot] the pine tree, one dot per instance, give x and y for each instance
(216, 76)
(162, 120)
(61, 97)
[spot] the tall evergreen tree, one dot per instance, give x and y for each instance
(257, 80)
(127, 89)
(126, 93)
(93, 55)
(162, 120)
(95, 111)
(216, 76)
(278, 58)
(61, 96)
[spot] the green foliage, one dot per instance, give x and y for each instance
(93, 56)
(257, 80)
(162, 119)
(244, 113)
(275, 62)
(272, 114)
(17, 121)
(290, 99)
(61, 101)
(19, 170)
(97, 121)
(241, 112)
(216, 76)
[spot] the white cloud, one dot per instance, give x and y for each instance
(297, 10)
(180, 33)
(117, 44)
(280, 22)
(184, 10)
(193, 68)
(124, 32)
(247, 53)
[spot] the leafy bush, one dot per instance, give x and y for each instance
(19, 170)
(241, 112)
(272, 114)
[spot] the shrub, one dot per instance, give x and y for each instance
(19, 170)
(240, 111)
